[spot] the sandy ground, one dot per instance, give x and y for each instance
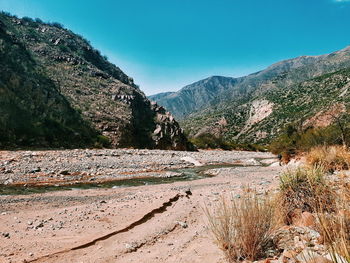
(154, 223)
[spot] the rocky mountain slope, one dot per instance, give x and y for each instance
(49, 74)
(256, 107)
(194, 96)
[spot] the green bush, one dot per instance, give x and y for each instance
(102, 142)
(210, 141)
(294, 140)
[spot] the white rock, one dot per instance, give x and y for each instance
(191, 160)
(275, 164)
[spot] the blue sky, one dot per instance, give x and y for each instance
(166, 44)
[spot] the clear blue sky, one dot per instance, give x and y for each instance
(166, 44)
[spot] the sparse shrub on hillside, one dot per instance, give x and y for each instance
(38, 20)
(56, 24)
(330, 157)
(303, 189)
(242, 227)
(63, 48)
(6, 14)
(27, 19)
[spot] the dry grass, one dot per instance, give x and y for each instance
(335, 227)
(242, 227)
(330, 157)
(303, 189)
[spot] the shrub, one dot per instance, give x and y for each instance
(27, 19)
(303, 189)
(63, 48)
(57, 25)
(210, 141)
(330, 157)
(335, 228)
(205, 141)
(242, 227)
(38, 20)
(293, 140)
(102, 141)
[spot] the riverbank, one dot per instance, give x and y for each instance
(151, 223)
(95, 166)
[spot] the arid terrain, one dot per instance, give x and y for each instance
(149, 223)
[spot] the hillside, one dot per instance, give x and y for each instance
(256, 107)
(61, 91)
(194, 96)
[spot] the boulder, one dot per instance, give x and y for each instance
(303, 219)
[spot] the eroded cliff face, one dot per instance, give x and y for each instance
(97, 91)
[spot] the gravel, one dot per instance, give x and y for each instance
(86, 165)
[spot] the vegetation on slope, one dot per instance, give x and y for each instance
(100, 96)
(295, 90)
(32, 111)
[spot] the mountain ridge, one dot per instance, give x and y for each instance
(236, 104)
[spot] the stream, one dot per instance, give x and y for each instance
(186, 174)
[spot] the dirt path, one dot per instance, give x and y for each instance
(156, 223)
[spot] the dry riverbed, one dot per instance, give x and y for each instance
(149, 223)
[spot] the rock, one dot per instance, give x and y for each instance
(290, 254)
(64, 172)
(188, 192)
(131, 247)
(303, 219)
(9, 181)
(292, 237)
(39, 225)
(319, 259)
(191, 160)
(6, 234)
(182, 224)
(275, 164)
(251, 161)
(35, 170)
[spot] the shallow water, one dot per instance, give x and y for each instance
(187, 174)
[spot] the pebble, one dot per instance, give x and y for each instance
(182, 224)
(110, 163)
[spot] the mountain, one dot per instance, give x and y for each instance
(250, 108)
(194, 96)
(58, 91)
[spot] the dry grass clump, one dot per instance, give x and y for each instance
(303, 189)
(242, 226)
(330, 157)
(335, 227)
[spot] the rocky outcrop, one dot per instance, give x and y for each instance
(168, 134)
(98, 93)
